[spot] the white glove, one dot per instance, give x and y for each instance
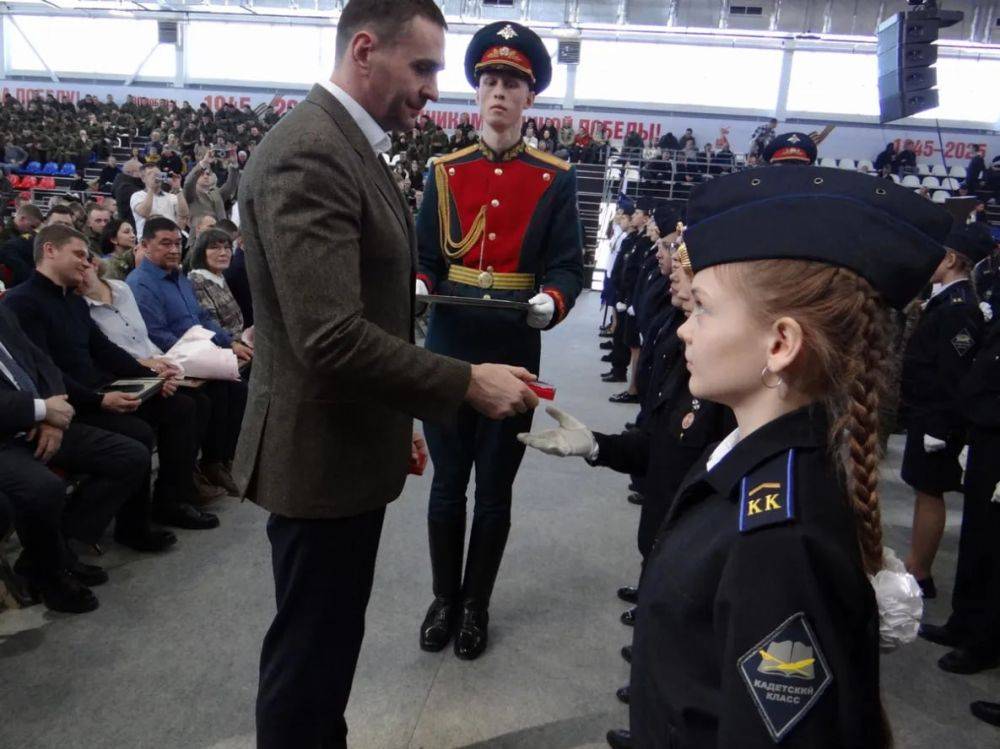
(571, 438)
(631, 311)
(987, 311)
(933, 444)
(420, 288)
(621, 307)
(543, 307)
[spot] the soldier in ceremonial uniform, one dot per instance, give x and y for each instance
(498, 221)
(937, 357)
(757, 623)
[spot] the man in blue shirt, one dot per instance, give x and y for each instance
(169, 307)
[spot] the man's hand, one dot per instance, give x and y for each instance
(543, 308)
(120, 403)
(169, 387)
(498, 390)
(49, 440)
(58, 412)
(162, 367)
(242, 351)
(152, 181)
(206, 160)
(572, 437)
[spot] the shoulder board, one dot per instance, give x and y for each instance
(767, 495)
(454, 156)
(547, 158)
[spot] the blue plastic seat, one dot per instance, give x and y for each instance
(68, 169)
(33, 167)
(50, 168)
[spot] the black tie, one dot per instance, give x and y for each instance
(22, 380)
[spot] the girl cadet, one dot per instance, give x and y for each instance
(757, 622)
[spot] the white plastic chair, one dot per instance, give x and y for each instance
(957, 171)
(848, 164)
(911, 180)
(931, 183)
(940, 196)
(938, 170)
(895, 178)
(865, 163)
(950, 183)
(923, 169)
(832, 163)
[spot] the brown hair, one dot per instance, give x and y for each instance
(56, 234)
(845, 328)
(386, 18)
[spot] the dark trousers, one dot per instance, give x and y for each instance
(489, 445)
(114, 465)
(323, 571)
(976, 598)
(228, 401)
(620, 353)
(171, 425)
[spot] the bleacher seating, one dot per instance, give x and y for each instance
(847, 164)
(911, 180)
(939, 170)
(923, 169)
(931, 183)
(957, 171)
(940, 196)
(950, 183)
(831, 163)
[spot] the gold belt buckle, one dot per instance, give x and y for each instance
(485, 279)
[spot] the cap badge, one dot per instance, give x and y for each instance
(794, 139)
(507, 32)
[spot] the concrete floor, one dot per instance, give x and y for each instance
(170, 658)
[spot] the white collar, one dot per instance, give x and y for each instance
(945, 287)
(374, 134)
(115, 294)
(722, 449)
(214, 278)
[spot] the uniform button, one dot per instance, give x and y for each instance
(495, 203)
(451, 172)
(493, 236)
(546, 176)
(498, 172)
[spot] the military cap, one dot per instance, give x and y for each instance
(510, 47)
(626, 205)
(885, 233)
(645, 204)
(972, 240)
(665, 217)
(790, 148)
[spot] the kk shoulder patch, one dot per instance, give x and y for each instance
(962, 342)
(767, 494)
(786, 674)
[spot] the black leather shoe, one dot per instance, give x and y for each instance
(613, 376)
(962, 661)
(622, 694)
(607, 345)
(183, 515)
(634, 498)
(629, 594)
(939, 634)
(64, 594)
(624, 397)
(619, 738)
(17, 587)
(988, 711)
(439, 625)
(89, 575)
(927, 587)
(473, 634)
(628, 618)
(607, 357)
(627, 653)
(605, 334)
(147, 540)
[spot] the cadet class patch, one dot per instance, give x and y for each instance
(766, 493)
(962, 342)
(786, 673)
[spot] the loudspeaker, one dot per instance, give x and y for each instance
(167, 32)
(569, 52)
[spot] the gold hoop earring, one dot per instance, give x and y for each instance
(763, 378)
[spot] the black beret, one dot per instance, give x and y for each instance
(665, 217)
(972, 240)
(506, 45)
(627, 205)
(645, 204)
(885, 233)
(790, 148)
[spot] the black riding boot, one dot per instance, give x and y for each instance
(447, 541)
(486, 545)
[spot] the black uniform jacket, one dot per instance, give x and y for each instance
(756, 622)
(980, 388)
(937, 357)
(17, 408)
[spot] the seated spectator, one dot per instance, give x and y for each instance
(37, 430)
(236, 273)
(633, 145)
(58, 214)
(58, 322)
(530, 139)
(97, 218)
(762, 137)
(566, 138)
(466, 128)
(583, 146)
(127, 183)
(109, 173)
(170, 308)
(668, 144)
(416, 173)
(602, 145)
(18, 253)
(885, 159)
(687, 141)
(210, 259)
(458, 142)
(201, 193)
(156, 199)
(906, 160)
(118, 249)
(722, 142)
(439, 141)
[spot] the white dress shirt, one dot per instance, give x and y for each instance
(722, 449)
(41, 410)
(374, 134)
(122, 322)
